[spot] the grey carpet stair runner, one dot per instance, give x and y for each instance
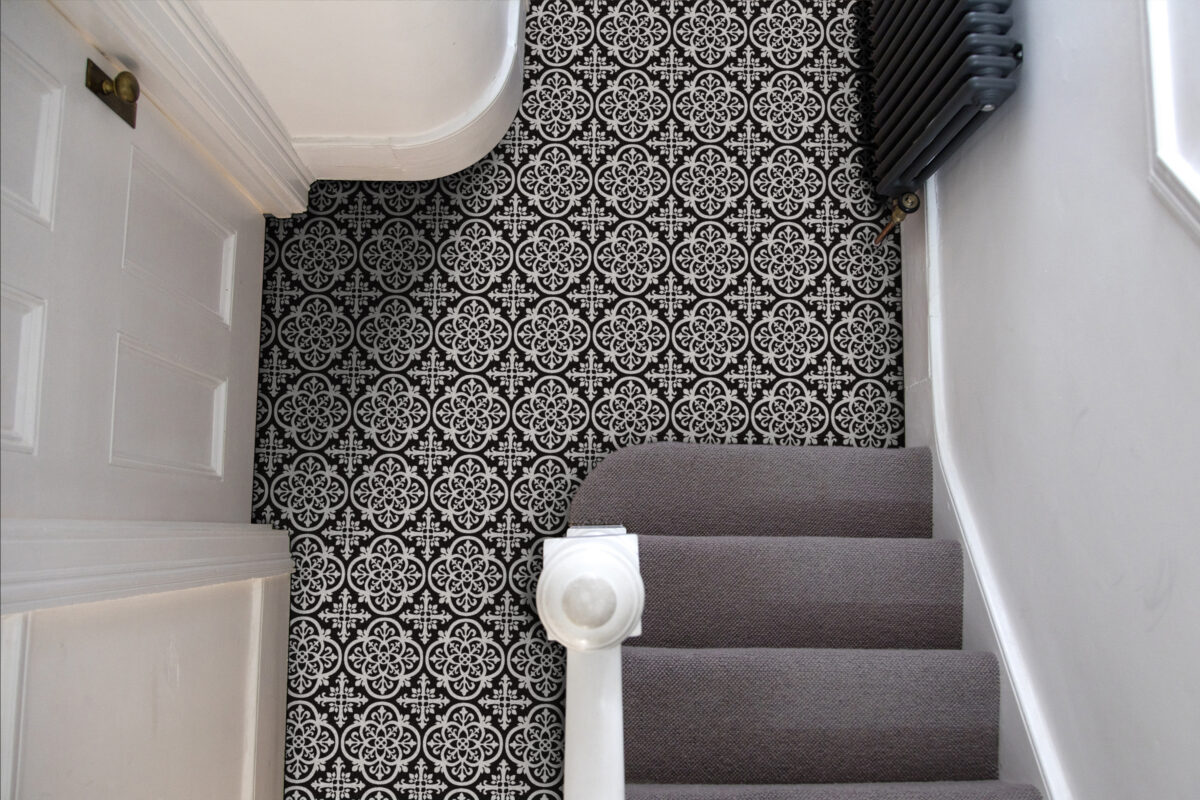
(802, 591)
(802, 632)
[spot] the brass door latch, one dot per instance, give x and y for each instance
(120, 93)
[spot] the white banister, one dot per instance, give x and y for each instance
(590, 598)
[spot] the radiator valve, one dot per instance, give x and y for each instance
(902, 206)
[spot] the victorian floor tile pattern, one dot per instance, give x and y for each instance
(673, 241)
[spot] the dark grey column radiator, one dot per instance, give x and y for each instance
(939, 67)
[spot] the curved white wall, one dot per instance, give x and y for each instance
(378, 89)
(1065, 311)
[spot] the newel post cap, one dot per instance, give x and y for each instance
(590, 594)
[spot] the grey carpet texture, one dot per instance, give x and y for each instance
(779, 715)
(939, 790)
(802, 632)
(677, 489)
(760, 591)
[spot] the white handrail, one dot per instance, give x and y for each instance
(590, 598)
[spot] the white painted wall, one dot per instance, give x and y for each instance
(367, 67)
(170, 695)
(380, 90)
(1053, 356)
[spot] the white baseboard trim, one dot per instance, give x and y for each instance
(50, 563)
(1011, 653)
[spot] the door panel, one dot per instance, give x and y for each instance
(131, 272)
(32, 103)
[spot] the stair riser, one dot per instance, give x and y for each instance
(826, 625)
(806, 592)
(808, 716)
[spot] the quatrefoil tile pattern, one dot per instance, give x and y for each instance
(672, 242)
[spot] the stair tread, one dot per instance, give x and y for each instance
(925, 790)
(798, 715)
(770, 591)
(673, 488)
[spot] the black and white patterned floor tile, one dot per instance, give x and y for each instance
(673, 241)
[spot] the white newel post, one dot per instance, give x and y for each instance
(590, 598)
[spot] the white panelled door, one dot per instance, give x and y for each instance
(131, 272)
(144, 647)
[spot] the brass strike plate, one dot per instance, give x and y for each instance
(103, 87)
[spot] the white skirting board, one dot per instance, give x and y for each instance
(1028, 752)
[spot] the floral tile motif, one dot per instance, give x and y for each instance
(673, 241)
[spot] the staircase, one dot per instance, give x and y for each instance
(802, 632)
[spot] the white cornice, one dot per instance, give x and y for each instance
(186, 70)
(48, 563)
